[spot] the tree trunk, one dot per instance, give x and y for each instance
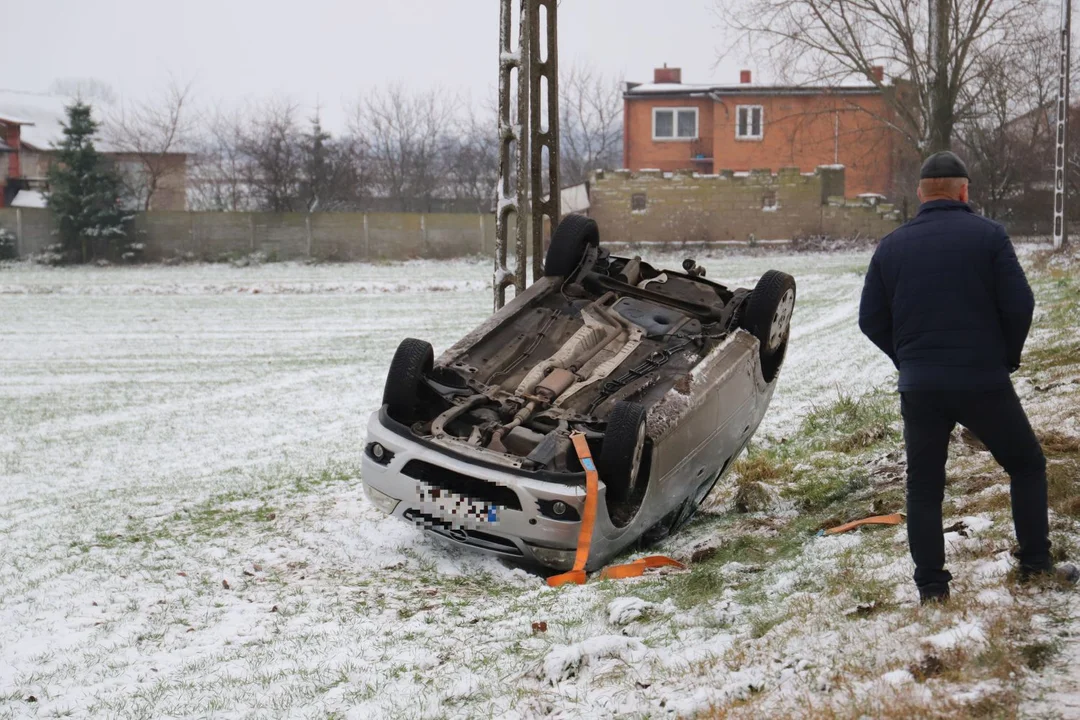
(939, 136)
(941, 123)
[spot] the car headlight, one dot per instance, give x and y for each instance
(552, 557)
(380, 499)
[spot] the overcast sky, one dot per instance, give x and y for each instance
(329, 51)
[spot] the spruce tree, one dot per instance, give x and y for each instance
(318, 168)
(84, 191)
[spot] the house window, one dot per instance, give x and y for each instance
(639, 202)
(675, 123)
(749, 123)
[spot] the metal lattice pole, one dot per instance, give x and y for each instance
(543, 135)
(513, 186)
(537, 63)
(1061, 190)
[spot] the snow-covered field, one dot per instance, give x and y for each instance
(183, 532)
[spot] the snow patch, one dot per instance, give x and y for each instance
(30, 199)
(566, 661)
(976, 524)
(898, 677)
(624, 610)
(999, 566)
(994, 596)
(738, 685)
(965, 633)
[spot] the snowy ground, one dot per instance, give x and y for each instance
(184, 534)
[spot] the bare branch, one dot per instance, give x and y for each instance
(152, 134)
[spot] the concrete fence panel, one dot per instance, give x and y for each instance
(395, 236)
(450, 236)
(283, 236)
(216, 235)
(338, 236)
(33, 229)
(641, 207)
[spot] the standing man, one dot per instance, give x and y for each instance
(946, 299)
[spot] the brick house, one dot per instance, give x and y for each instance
(30, 127)
(669, 125)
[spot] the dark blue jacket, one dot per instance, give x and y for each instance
(947, 300)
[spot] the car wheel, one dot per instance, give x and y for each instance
(571, 239)
(412, 359)
(622, 451)
(767, 316)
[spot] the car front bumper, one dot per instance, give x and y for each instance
(485, 518)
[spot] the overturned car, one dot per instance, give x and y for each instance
(667, 375)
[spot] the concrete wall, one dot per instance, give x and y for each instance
(284, 236)
(685, 207)
(679, 208)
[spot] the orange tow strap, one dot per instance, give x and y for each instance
(638, 567)
(588, 522)
(894, 519)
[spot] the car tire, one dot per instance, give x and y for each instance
(400, 394)
(767, 316)
(622, 452)
(574, 235)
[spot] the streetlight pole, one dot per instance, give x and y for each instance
(1061, 189)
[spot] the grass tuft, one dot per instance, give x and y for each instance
(751, 471)
(751, 497)
(1063, 487)
(851, 423)
(818, 492)
(1058, 443)
(1038, 655)
(761, 466)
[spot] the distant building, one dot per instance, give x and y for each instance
(669, 125)
(31, 127)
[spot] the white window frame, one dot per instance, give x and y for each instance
(750, 122)
(675, 124)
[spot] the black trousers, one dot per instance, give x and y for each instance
(998, 420)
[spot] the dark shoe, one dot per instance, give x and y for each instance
(933, 597)
(1066, 573)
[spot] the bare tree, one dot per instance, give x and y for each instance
(831, 40)
(270, 143)
(153, 134)
(216, 169)
(404, 136)
(262, 159)
(473, 159)
(591, 109)
(1006, 141)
